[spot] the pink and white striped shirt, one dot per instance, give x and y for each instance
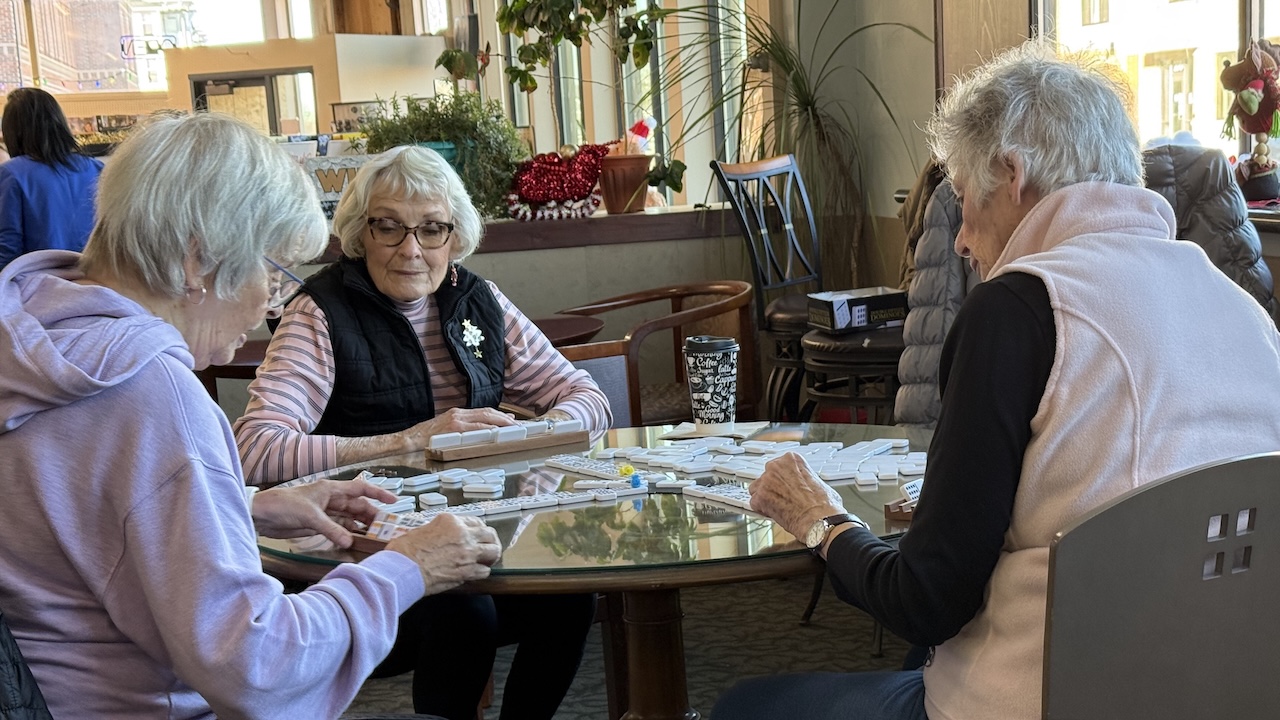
(289, 395)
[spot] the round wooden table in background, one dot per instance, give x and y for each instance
(564, 330)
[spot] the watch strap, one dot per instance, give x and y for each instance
(834, 521)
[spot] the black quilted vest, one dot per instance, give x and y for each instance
(381, 383)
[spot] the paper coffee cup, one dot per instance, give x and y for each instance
(711, 365)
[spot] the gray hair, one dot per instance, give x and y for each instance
(1065, 118)
(412, 172)
(208, 186)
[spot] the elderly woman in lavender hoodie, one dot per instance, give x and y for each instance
(128, 565)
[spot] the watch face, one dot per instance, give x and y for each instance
(817, 533)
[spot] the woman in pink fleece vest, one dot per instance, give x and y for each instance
(1086, 364)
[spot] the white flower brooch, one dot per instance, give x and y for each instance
(472, 338)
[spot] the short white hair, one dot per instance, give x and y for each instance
(1065, 118)
(206, 186)
(413, 173)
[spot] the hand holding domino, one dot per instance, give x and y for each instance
(450, 550)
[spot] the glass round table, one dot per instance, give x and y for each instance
(638, 551)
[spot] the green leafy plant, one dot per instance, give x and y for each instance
(554, 21)
(785, 102)
(488, 146)
(631, 38)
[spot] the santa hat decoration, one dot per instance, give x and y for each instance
(641, 132)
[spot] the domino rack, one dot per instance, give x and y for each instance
(577, 439)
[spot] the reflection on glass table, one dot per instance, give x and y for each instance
(639, 551)
(657, 530)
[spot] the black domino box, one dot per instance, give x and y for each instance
(843, 311)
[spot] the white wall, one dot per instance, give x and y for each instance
(379, 66)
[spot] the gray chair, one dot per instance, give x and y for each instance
(1162, 603)
(606, 362)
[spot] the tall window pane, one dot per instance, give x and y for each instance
(1170, 53)
(569, 105)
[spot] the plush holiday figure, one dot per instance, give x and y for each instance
(1257, 109)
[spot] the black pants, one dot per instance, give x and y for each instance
(449, 642)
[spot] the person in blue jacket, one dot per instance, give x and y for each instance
(47, 189)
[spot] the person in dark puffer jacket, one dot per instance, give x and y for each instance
(1211, 212)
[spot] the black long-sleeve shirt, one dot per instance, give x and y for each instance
(993, 373)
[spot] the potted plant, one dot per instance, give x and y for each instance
(795, 109)
(473, 135)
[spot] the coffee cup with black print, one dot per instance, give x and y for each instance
(711, 364)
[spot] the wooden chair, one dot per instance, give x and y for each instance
(1161, 603)
(691, 307)
(773, 211)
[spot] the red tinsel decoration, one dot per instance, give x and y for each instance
(552, 178)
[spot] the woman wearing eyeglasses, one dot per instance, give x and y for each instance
(397, 342)
(129, 571)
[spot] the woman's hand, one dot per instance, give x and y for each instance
(328, 507)
(789, 493)
(453, 420)
(450, 550)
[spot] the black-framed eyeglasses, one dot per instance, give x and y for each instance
(390, 233)
(283, 288)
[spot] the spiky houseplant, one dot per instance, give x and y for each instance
(487, 145)
(790, 104)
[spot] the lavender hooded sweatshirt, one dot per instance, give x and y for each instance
(128, 565)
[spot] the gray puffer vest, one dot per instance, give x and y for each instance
(940, 284)
(1211, 212)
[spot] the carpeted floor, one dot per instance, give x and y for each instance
(730, 632)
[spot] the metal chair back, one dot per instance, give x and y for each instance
(1162, 603)
(773, 210)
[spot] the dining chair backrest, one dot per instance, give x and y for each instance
(1162, 603)
(606, 362)
(677, 311)
(773, 210)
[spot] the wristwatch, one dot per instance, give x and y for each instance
(820, 530)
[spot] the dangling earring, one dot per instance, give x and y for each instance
(453, 274)
(203, 293)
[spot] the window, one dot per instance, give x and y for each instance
(1167, 51)
(118, 45)
(569, 109)
(435, 14)
(1094, 12)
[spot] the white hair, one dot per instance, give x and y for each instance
(414, 173)
(206, 186)
(1064, 118)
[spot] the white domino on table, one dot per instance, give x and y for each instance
(500, 507)
(579, 465)
(571, 497)
(483, 488)
(431, 500)
(426, 481)
(537, 502)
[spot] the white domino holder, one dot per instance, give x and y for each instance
(526, 435)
